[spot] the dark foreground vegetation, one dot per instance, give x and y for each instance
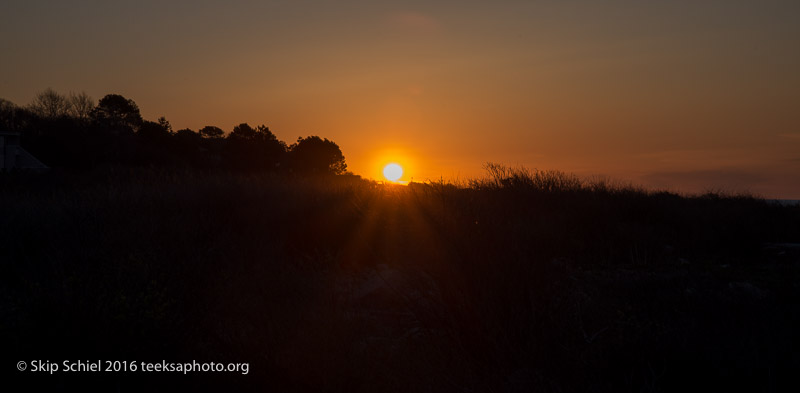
(524, 281)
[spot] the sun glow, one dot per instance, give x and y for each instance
(392, 172)
(393, 165)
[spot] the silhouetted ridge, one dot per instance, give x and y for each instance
(71, 132)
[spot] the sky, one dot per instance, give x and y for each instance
(689, 96)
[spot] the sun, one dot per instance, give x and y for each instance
(392, 172)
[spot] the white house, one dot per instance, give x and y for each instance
(13, 156)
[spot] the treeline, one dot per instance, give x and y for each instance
(70, 131)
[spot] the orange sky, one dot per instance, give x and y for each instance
(672, 94)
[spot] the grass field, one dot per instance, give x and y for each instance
(522, 281)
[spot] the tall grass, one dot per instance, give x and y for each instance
(524, 280)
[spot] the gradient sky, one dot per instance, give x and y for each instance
(685, 95)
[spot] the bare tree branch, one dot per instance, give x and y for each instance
(50, 104)
(81, 105)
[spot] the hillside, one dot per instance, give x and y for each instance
(521, 281)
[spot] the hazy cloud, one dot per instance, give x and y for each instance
(732, 180)
(694, 158)
(791, 135)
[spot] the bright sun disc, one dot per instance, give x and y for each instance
(392, 172)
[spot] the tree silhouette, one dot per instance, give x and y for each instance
(164, 123)
(189, 148)
(70, 132)
(212, 145)
(188, 142)
(250, 149)
(34, 130)
(50, 104)
(153, 142)
(314, 155)
(187, 134)
(117, 113)
(242, 132)
(211, 132)
(153, 132)
(81, 105)
(8, 115)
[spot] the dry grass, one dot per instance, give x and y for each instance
(522, 281)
